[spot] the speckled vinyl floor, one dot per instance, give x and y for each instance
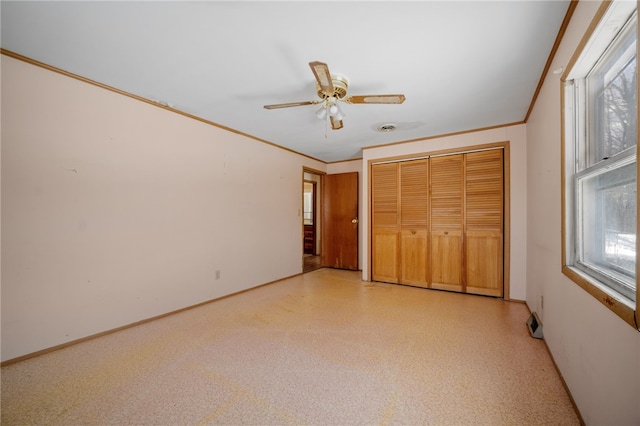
(322, 348)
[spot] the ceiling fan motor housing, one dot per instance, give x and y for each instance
(340, 85)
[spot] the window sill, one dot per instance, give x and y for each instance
(618, 304)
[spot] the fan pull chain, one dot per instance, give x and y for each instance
(326, 120)
(326, 126)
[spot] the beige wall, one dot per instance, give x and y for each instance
(597, 352)
(518, 166)
(115, 210)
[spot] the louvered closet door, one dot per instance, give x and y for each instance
(385, 222)
(414, 209)
(447, 209)
(484, 223)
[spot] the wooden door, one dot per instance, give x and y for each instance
(447, 220)
(340, 221)
(484, 223)
(414, 209)
(384, 223)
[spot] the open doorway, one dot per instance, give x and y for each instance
(311, 220)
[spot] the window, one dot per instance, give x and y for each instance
(600, 165)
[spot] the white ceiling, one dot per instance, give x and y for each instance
(461, 65)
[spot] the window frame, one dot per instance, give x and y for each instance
(575, 122)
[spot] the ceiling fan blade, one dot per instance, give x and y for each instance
(336, 124)
(323, 77)
(375, 99)
(291, 104)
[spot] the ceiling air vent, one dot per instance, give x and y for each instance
(387, 127)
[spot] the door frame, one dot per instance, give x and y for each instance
(317, 220)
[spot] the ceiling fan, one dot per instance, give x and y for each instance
(332, 89)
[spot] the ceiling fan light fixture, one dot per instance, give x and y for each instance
(332, 90)
(321, 113)
(336, 112)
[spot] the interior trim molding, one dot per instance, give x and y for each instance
(563, 29)
(446, 135)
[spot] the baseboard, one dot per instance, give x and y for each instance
(134, 324)
(564, 383)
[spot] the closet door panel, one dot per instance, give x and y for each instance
(414, 214)
(484, 263)
(385, 256)
(414, 194)
(484, 223)
(414, 265)
(385, 222)
(446, 270)
(384, 183)
(447, 208)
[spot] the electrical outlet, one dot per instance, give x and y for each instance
(217, 274)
